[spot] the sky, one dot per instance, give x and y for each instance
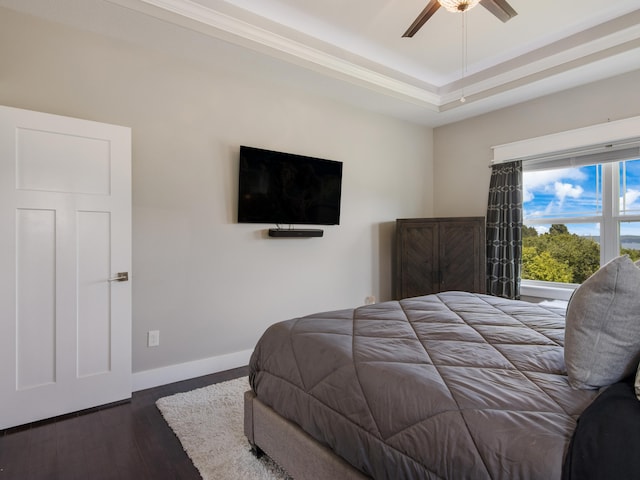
(574, 192)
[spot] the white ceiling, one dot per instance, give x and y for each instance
(353, 50)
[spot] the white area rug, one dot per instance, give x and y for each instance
(209, 423)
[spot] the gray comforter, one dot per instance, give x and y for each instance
(453, 385)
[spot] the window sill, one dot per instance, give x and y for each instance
(547, 290)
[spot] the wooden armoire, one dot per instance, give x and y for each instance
(439, 254)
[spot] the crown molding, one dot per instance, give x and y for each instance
(560, 62)
(226, 27)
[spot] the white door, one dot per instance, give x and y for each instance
(65, 234)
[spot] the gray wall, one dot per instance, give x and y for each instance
(209, 285)
(462, 150)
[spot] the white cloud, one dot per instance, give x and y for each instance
(527, 195)
(546, 180)
(630, 199)
(564, 190)
(546, 177)
(548, 209)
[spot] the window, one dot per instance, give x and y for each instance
(579, 215)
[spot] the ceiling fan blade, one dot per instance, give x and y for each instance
(431, 8)
(500, 8)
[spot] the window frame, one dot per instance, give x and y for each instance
(609, 219)
(592, 139)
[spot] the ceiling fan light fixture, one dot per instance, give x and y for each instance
(458, 6)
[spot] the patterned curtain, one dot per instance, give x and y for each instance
(504, 230)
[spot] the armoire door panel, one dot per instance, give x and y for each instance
(419, 262)
(460, 248)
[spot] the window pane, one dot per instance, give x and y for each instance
(630, 239)
(560, 253)
(630, 187)
(562, 192)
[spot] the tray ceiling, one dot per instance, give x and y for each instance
(353, 50)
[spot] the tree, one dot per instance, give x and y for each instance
(529, 231)
(558, 229)
(580, 253)
(633, 253)
(542, 266)
(560, 249)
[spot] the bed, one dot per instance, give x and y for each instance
(447, 386)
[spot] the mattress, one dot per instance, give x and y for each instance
(453, 385)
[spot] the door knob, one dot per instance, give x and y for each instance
(120, 277)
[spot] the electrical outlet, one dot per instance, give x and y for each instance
(153, 338)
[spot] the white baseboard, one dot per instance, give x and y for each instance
(184, 371)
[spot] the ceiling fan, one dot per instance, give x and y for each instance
(500, 8)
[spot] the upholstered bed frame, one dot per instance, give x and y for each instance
(290, 447)
(452, 385)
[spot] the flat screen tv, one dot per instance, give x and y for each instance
(284, 188)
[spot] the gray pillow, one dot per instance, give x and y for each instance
(602, 336)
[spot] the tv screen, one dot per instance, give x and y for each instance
(284, 188)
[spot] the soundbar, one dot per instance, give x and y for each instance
(295, 233)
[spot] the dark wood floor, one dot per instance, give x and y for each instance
(127, 441)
